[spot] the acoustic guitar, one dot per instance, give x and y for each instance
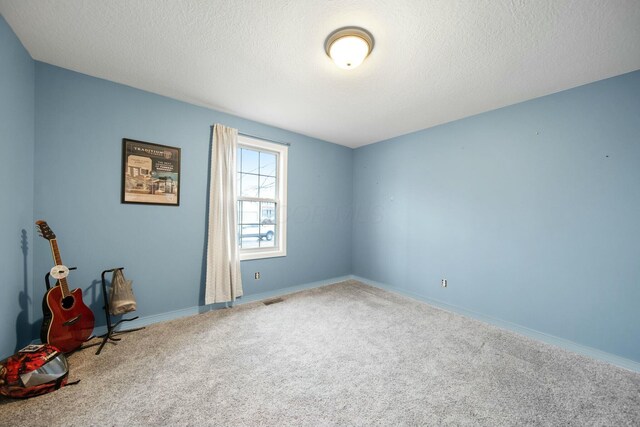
(67, 321)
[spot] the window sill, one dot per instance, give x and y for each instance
(251, 255)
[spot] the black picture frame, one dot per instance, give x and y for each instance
(150, 173)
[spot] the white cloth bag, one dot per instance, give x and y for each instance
(121, 299)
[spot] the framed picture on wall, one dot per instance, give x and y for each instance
(150, 173)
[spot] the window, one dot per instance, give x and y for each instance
(262, 198)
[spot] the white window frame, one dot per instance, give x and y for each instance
(281, 152)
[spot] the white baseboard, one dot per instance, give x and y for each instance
(531, 333)
(190, 311)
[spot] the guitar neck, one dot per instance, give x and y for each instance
(58, 261)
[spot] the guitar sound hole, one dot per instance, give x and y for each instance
(67, 302)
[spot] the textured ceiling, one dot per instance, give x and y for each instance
(434, 60)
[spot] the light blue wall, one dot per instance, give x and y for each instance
(532, 213)
(80, 122)
(16, 178)
(529, 211)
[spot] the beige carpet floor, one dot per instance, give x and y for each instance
(345, 354)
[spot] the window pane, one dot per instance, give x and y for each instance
(249, 185)
(249, 161)
(267, 164)
(267, 213)
(267, 187)
(249, 237)
(249, 213)
(267, 236)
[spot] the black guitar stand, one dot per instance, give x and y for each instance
(109, 336)
(48, 283)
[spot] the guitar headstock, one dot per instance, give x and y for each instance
(44, 230)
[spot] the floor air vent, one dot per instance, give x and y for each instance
(272, 301)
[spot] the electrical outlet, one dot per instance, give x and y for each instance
(257, 275)
(443, 283)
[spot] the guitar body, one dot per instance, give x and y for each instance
(67, 321)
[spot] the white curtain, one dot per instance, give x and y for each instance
(224, 282)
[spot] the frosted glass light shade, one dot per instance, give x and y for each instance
(349, 51)
(348, 47)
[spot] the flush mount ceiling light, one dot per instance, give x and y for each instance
(349, 46)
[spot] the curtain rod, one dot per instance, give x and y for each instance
(264, 139)
(259, 137)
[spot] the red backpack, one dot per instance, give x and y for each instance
(34, 370)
